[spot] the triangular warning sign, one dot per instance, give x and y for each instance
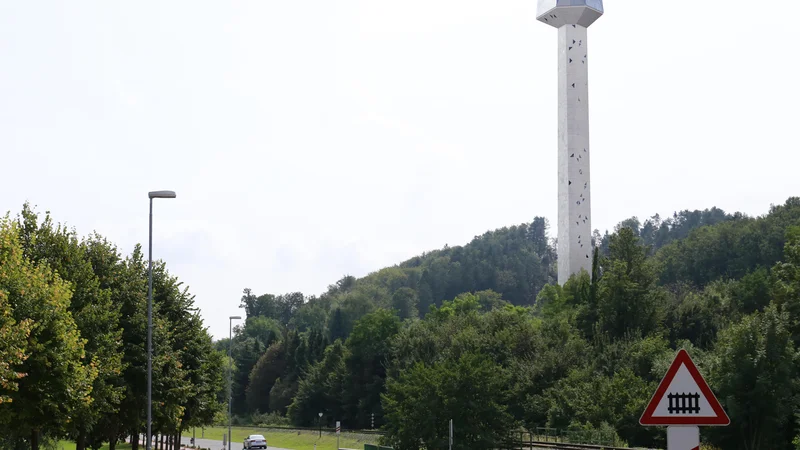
(684, 398)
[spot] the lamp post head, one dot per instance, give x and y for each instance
(235, 317)
(161, 194)
(558, 13)
(320, 415)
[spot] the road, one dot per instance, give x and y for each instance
(217, 445)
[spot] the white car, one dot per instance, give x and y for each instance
(255, 441)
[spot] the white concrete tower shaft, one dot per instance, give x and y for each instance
(572, 18)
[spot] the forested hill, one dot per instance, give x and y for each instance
(695, 279)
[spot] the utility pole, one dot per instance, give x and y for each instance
(230, 385)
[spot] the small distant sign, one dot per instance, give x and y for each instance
(684, 398)
(338, 427)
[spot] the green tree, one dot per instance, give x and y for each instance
(13, 349)
(256, 306)
(628, 297)
(586, 397)
(369, 350)
(264, 329)
(404, 301)
(56, 382)
(754, 374)
(312, 315)
(337, 328)
(246, 352)
(270, 366)
(321, 390)
(125, 278)
(787, 282)
(469, 390)
(96, 316)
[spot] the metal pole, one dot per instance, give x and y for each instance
(150, 332)
(230, 393)
(451, 434)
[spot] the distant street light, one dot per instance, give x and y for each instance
(230, 389)
(320, 425)
(151, 195)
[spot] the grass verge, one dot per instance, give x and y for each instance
(293, 440)
(69, 445)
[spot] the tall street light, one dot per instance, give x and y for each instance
(230, 393)
(151, 195)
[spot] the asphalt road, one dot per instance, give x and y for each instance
(217, 445)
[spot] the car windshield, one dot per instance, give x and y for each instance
(256, 436)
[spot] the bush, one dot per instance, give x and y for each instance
(269, 419)
(586, 433)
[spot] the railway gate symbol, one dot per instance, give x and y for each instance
(684, 403)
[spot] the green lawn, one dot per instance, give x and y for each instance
(294, 440)
(69, 445)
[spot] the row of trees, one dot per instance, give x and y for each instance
(585, 356)
(73, 327)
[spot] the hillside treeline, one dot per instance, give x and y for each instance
(73, 334)
(483, 335)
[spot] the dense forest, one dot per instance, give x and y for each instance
(482, 334)
(73, 334)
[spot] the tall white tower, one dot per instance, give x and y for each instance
(572, 18)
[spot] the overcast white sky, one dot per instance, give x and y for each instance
(311, 139)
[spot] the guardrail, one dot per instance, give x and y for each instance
(324, 429)
(564, 446)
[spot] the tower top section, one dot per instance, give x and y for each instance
(569, 12)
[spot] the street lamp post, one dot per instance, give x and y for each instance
(151, 196)
(320, 425)
(230, 389)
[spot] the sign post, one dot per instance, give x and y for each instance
(683, 402)
(451, 434)
(338, 432)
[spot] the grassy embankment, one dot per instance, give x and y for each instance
(294, 440)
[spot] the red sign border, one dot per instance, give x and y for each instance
(682, 358)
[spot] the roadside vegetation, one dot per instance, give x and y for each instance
(73, 324)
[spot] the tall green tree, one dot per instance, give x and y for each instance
(787, 282)
(628, 297)
(337, 327)
(57, 383)
(95, 315)
(321, 390)
(754, 375)
(270, 366)
(13, 349)
(127, 280)
(369, 350)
